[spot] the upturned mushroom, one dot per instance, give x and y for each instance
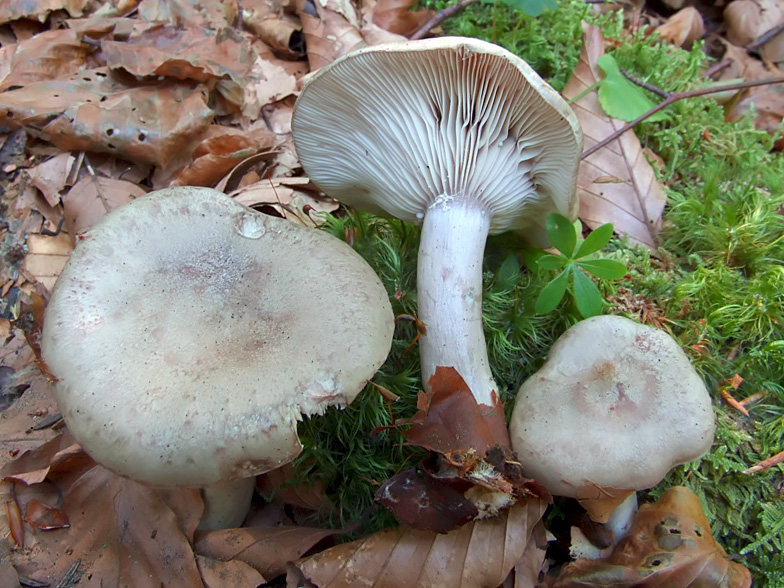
(189, 333)
(457, 135)
(616, 405)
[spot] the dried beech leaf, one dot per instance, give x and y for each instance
(266, 549)
(154, 124)
(32, 466)
(396, 16)
(477, 555)
(46, 257)
(669, 544)
(16, 435)
(330, 34)
(219, 150)
(214, 14)
(224, 574)
(40, 9)
(192, 53)
(123, 533)
(635, 204)
(51, 176)
(47, 56)
(94, 196)
(36, 104)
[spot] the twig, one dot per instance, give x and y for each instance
(675, 97)
(753, 46)
(440, 17)
(68, 578)
(766, 463)
(650, 87)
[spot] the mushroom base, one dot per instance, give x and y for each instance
(226, 504)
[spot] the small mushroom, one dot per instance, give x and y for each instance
(616, 405)
(457, 135)
(189, 333)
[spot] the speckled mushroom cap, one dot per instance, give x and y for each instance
(391, 128)
(189, 333)
(617, 404)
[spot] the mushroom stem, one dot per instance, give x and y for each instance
(620, 520)
(449, 286)
(226, 504)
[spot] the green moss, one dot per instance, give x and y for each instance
(717, 285)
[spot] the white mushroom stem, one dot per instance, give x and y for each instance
(449, 286)
(226, 504)
(620, 520)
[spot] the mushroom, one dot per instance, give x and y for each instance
(616, 405)
(457, 135)
(189, 333)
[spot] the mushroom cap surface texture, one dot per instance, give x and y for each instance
(616, 404)
(189, 333)
(394, 128)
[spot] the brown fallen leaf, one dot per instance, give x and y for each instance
(122, 533)
(92, 197)
(46, 257)
(396, 16)
(40, 10)
(49, 55)
(448, 418)
(222, 574)
(51, 176)
(748, 19)
(600, 502)
(669, 544)
(634, 205)
(477, 555)
(155, 124)
(45, 517)
(213, 14)
(296, 199)
(219, 150)
(266, 549)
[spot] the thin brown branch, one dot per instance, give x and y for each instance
(650, 87)
(440, 17)
(765, 464)
(675, 97)
(753, 46)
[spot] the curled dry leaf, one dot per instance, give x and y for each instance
(265, 549)
(296, 199)
(600, 502)
(477, 555)
(634, 203)
(192, 53)
(670, 543)
(51, 176)
(683, 28)
(213, 14)
(47, 56)
(748, 19)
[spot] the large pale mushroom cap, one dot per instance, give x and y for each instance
(617, 404)
(189, 333)
(392, 128)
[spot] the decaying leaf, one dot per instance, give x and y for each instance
(683, 28)
(220, 574)
(669, 544)
(600, 502)
(46, 257)
(477, 555)
(635, 205)
(449, 419)
(16, 9)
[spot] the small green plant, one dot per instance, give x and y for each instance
(564, 236)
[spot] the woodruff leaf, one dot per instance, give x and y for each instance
(551, 262)
(561, 233)
(552, 293)
(597, 239)
(606, 269)
(586, 295)
(508, 273)
(621, 98)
